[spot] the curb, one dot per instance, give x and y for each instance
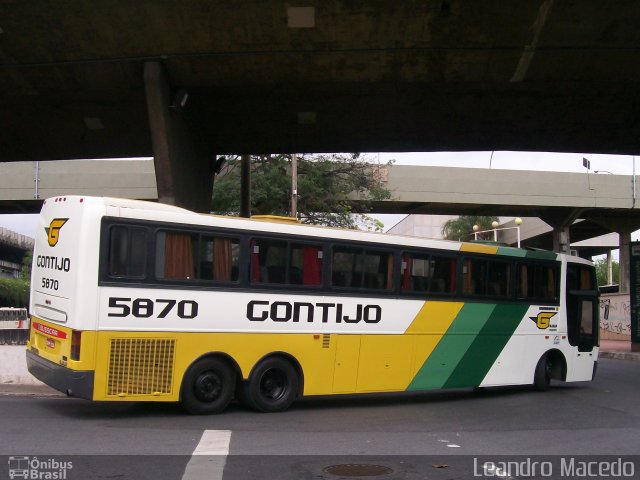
(21, 389)
(632, 356)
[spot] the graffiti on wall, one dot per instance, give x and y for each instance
(615, 314)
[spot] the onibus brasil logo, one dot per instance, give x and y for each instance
(35, 468)
(53, 230)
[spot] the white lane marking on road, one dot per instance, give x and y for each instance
(453, 445)
(209, 457)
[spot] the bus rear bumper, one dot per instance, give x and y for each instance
(75, 383)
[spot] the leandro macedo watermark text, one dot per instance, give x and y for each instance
(557, 467)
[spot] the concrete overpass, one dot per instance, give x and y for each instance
(605, 202)
(23, 185)
(183, 82)
(13, 247)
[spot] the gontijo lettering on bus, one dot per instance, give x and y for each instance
(51, 262)
(260, 310)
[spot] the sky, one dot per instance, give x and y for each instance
(544, 161)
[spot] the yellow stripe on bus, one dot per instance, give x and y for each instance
(479, 248)
(428, 328)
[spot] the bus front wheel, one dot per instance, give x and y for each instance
(272, 386)
(542, 375)
(207, 387)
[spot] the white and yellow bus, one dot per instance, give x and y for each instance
(137, 301)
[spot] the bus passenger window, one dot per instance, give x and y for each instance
(428, 273)
(346, 267)
(127, 252)
(474, 277)
(378, 270)
(443, 275)
(499, 279)
(488, 278)
(355, 268)
(305, 265)
(219, 259)
(537, 282)
(268, 261)
(174, 255)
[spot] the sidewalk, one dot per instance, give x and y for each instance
(15, 379)
(618, 350)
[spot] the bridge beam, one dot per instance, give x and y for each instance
(183, 162)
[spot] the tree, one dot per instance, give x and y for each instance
(14, 292)
(601, 271)
(327, 185)
(461, 228)
(27, 260)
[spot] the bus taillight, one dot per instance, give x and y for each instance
(75, 344)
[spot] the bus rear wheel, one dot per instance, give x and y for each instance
(272, 386)
(207, 387)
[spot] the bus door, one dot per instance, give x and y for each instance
(582, 308)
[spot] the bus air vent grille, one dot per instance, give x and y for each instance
(140, 366)
(326, 341)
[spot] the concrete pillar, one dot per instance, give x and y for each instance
(561, 220)
(625, 259)
(181, 156)
(561, 239)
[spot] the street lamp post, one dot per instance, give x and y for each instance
(517, 221)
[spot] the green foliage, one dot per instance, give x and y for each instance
(601, 271)
(14, 292)
(27, 260)
(461, 228)
(327, 184)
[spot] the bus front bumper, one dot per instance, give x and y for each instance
(75, 383)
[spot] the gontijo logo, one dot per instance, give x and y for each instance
(543, 319)
(53, 230)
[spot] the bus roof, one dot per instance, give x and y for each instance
(152, 211)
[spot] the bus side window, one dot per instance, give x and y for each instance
(174, 255)
(474, 277)
(305, 265)
(268, 261)
(346, 267)
(443, 274)
(127, 252)
(537, 282)
(219, 259)
(378, 270)
(428, 273)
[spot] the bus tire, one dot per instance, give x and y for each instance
(542, 375)
(272, 386)
(207, 387)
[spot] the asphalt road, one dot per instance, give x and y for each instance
(429, 435)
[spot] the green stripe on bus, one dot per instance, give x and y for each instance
(452, 347)
(541, 255)
(484, 351)
(512, 252)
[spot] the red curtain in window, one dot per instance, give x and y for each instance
(312, 266)
(255, 262)
(406, 259)
(178, 256)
